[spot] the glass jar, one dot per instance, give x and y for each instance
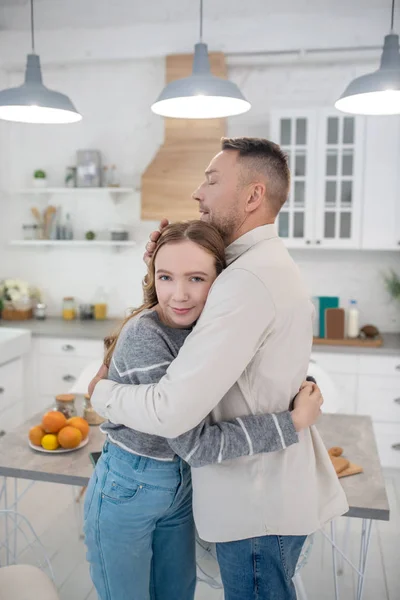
(65, 403)
(90, 414)
(68, 308)
(30, 232)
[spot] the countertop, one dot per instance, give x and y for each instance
(366, 492)
(98, 330)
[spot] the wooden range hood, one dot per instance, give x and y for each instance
(178, 167)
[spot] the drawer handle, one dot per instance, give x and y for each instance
(2, 390)
(397, 400)
(68, 348)
(395, 446)
(397, 367)
(69, 378)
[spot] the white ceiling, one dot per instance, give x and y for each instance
(97, 14)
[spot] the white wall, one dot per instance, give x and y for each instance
(115, 99)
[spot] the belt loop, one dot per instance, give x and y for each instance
(141, 465)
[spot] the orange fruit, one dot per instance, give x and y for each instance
(80, 424)
(36, 434)
(69, 437)
(53, 421)
(49, 442)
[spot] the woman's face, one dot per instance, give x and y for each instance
(184, 273)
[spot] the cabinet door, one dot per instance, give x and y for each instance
(381, 207)
(339, 180)
(295, 132)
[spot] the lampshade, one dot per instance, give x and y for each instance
(377, 93)
(32, 102)
(201, 95)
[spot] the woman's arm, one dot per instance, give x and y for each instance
(211, 443)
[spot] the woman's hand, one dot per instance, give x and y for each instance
(307, 406)
(152, 244)
(102, 373)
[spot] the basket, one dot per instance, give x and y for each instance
(13, 314)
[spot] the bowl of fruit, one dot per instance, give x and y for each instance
(56, 434)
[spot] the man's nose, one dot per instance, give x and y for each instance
(197, 194)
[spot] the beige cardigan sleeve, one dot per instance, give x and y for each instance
(236, 320)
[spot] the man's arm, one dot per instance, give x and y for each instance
(237, 319)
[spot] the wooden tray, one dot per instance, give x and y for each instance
(10, 314)
(355, 342)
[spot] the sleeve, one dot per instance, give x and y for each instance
(142, 354)
(209, 444)
(238, 316)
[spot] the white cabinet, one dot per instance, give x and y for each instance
(58, 363)
(11, 394)
(326, 155)
(381, 207)
(369, 385)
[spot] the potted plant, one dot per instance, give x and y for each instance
(392, 283)
(16, 297)
(39, 179)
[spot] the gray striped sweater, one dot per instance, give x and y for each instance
(143, 352)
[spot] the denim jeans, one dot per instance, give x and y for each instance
(139, 528)
(260, 568)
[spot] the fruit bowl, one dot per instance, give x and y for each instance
(58, 450)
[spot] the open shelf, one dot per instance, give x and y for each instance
(76, 191)
(72, 243)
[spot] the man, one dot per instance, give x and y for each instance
(254, 336)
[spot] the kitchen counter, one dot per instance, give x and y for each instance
(98, 330)
(58, 328)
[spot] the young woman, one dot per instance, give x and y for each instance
(138, 510)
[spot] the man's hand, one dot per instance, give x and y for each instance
(152, 244)
(307, 406)
(102, 373)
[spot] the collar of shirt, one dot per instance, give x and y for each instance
(249, 239)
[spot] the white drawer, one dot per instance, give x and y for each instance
(379, 397)
(346, 385)
(388, 442)
(380, 365)
(12, 417)
(336, 363)
(71, 347)
(58, 374)
(11, 379)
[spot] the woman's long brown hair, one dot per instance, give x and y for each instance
(204, 235)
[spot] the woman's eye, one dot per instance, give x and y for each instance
(196, 279)
(164, 278)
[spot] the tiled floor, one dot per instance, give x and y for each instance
(50, 509)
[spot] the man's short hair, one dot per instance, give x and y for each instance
(265, 158)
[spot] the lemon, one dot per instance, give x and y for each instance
(50, 442)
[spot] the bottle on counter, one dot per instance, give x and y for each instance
(91, 416)
(69, 308)
(100, 306)
(65, 403)
(353, 327)
(68, 229)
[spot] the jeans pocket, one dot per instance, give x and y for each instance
(90, 491)
(119, 490)
(290, 547)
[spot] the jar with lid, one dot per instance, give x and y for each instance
(30, 232)
(91, 416)
(68, 308)
(65, 403)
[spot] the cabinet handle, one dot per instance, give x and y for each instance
(318, 242)
(397, 400)
(2, 390)
(69, 378)
(308, 242)
(2, 432)
(395, 446)
(68, 348)
(397, 368)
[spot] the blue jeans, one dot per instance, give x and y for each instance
(139, 528)
(260, 568)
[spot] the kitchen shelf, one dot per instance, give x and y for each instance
(75, 190)
(72, 243)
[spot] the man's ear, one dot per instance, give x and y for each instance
(255, 197)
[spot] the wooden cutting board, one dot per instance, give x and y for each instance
(352, 469)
